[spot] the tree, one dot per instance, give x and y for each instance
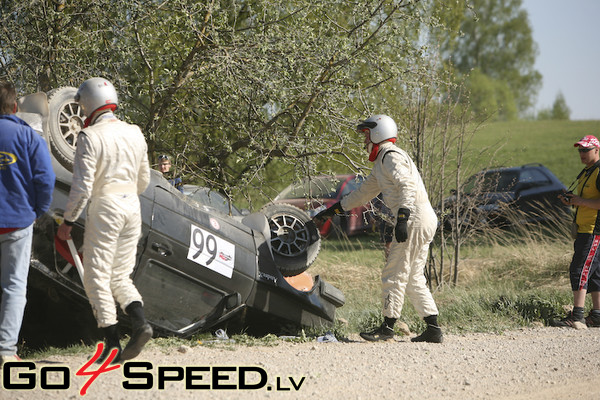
(495, 41)
(559, 110)
(489, 96)
(228, 87)
(248, 95)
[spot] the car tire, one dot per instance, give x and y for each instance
(65, 120)
(295, 239)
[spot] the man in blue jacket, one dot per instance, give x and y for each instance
(26, 185)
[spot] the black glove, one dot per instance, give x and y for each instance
(330, 212)
(401, 230)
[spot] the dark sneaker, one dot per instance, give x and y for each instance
(592, 321)
(384, 332)
(568, 322)
(433, 334)
(138, 340)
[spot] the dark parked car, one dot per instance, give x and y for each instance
(198, 265)
(327, 190)
(504, 196)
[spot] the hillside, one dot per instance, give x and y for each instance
(546, 142)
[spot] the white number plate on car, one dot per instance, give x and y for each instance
(211, 251)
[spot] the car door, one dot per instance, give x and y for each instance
(197, 266)
(535, 194)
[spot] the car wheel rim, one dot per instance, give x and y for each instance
(289, 236)
(70, 122)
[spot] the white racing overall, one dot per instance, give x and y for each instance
(111, 169)
(400, 183)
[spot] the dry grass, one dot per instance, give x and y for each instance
(527, 266)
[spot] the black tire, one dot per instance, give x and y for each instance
(295, 239)
(65, 120)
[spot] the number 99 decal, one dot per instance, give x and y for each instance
(211, 251)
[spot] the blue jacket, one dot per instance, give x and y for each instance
(177, 182)
(26, 174)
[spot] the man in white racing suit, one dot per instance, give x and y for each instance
(110, 170)
(396, 177)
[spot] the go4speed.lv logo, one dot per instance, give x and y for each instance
(142, 376)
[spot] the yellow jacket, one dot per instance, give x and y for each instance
(587, 187)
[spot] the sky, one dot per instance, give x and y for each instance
(567, 33)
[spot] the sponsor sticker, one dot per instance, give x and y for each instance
(215, 224)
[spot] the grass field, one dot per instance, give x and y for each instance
(500, 286)
(546, 142)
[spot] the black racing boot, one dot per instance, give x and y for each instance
(432, 334)
(141, 331)
(111, 341)
(383, 332)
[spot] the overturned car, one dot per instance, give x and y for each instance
(197, 267)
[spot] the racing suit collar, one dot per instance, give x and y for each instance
(378, 146)
(102, 111)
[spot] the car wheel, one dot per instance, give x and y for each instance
(65, 120)
(295, 239)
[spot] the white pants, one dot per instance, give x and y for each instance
(112, 230)
(404, 273)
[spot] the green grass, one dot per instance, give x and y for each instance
(501, 286)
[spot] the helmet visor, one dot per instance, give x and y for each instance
(366, 125)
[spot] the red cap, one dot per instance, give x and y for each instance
(587, 142)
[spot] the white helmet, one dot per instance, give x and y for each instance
(95, 93)
(381, 128)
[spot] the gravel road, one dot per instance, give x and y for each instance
(534, 363)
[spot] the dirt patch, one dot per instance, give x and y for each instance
(537, 363)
